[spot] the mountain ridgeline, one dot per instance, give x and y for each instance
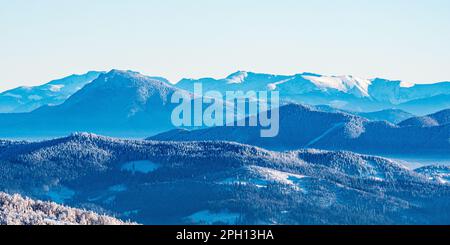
(307, 127)
(116, 103)
(128, 104)
(437, 119)
(27, 99)
(342, 92)
(219, 182)
(394, 116)
(317, 170)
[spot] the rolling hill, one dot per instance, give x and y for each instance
(307, 127)
(154, 182)
(391, 115)
(440, 118)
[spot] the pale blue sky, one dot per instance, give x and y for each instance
(396, 39)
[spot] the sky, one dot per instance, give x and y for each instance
(395, 39)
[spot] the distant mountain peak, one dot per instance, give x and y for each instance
(126, 75)
(117, 72)
(55, 92)
(346, 83)
(432, 120)
(127, 90)
(115, 103)
(237, 77)
(131, 79)
(238, 73)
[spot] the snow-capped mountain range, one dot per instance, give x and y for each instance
(120, 103)
(128, 104)
(220, 175)
(257, 81)
(342, 92)
(26, 99)
(218, 182)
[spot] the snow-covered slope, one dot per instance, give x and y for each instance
(296, 84)
(17, 210)
(221, 182)
(347, 84)
(26, 99)
(436, 119)
(440, 174)
(239, 80)
(343, 92)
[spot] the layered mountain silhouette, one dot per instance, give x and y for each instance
(128, 104)
(437, 119)
(394, 116)
(121, 103)
(427, 105)
(342, 92)
(307, 127)
(225, 175)
(27, 99)
(218, 182)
